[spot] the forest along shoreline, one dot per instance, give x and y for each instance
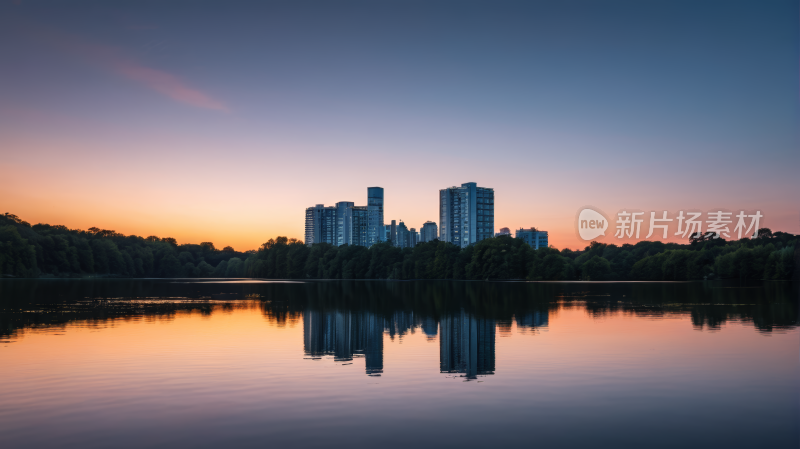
(43, 250)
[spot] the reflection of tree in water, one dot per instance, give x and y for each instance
(768, 306)
(400, 307)
(45, 304)
(279, 312)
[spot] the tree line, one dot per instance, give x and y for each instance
(44, 250)
(771, 257)
(32, 251)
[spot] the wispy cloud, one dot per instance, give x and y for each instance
(166, 84)
(118, 61)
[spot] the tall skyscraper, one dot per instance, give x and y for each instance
(321, 225)
(429, 232)
(374, 215)
(466, 214)
(405, 238)
(360, 226)
(393, 233)
(346, 223)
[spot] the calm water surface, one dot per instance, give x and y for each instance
(160, 363)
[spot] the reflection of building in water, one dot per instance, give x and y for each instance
(368, 340)
(342, 337)
(313, 333)
(343, 334)
(429, 327)
(504, 327)
(466, 345)
(533, 320)
(400, 324)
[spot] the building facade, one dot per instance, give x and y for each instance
(321, 225)
(375, 232)
(402, 237)
(429, 232)
(533, 237)
(346, 223)
(466, 214)
(360, 226)
(504, 231)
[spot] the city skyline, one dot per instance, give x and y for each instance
(149, 119)
(310, 223)
(466, 214)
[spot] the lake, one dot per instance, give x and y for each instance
(249, 363)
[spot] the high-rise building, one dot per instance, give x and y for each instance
(429, 232)
(346, 223)
(466, 214)
(360, 226)
(401, 235)
(321, 225)
(533, 237)
(374, 215)
(393, 233)
(406, 238)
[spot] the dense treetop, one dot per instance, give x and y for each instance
(48, 250)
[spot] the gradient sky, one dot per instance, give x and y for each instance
(223, 121)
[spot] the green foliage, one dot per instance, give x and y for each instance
(549, 265)
(204, 269)
(30, 251)
(54, 250)
(17, 257)
(596, 269)
(235, 267)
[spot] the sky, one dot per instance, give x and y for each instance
(223, 121)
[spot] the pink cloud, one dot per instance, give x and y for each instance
(119, 62)
(167, 84)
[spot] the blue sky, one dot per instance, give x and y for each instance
(251, 111)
